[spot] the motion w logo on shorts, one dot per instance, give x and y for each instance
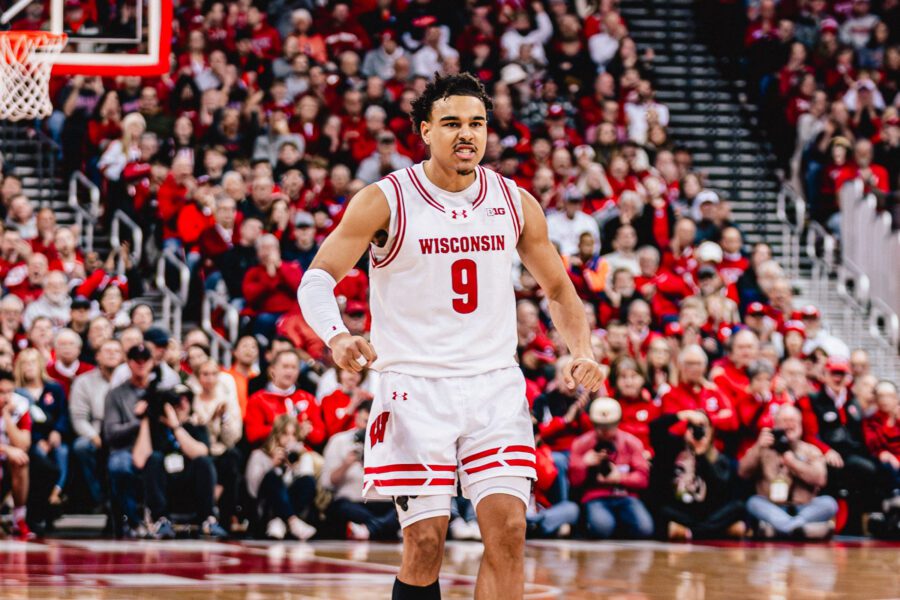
(399, 396)
(379, 426)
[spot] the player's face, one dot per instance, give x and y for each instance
(457, 133)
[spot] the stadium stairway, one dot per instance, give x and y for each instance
(710, 116)
(33, 158)
(29, 155)
(706, 114)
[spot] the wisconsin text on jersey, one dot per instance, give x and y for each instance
(468, 243)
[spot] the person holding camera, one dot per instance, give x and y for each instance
(610, 467)
(342, 473)
(692, 482)
(172, 453)
(757, 407)
(695, 394)
(788, 474)
(281, 479)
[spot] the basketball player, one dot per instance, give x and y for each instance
(451, 399)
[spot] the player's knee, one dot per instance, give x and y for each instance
(424, 542)
(508, 539)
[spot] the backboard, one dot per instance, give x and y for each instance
(106, 37)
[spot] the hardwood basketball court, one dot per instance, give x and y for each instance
(186, 569)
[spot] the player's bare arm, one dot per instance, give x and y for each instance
(366, 215)
(542, 260)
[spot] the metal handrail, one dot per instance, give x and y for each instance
(82, 215)
(221, 346)
(177, 298)
(880, 310)
(791, 231)
(137, 238)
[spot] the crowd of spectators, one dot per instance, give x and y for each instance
(726, 407)
(826, 75)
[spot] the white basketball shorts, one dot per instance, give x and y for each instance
(423, 432)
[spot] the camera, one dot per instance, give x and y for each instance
(293, 456)
(698, 432)
(605, 466)
(157, 399)
(781, 444)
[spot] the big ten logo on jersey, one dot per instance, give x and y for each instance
(378, 428)
(496, 211)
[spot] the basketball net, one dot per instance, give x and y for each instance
(26, 59)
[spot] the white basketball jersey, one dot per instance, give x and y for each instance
(442, 297)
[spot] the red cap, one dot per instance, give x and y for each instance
(425, 21)
(389, 34)
(543, 348)
(356, 306)
(673, 329)
(555, 111)
(797, 326)
(836, 363)
(892, 121)
(829, 25)
(756, 308)
(482, 39)
(809, 312)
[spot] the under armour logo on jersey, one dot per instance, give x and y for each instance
(496, 211)
(459, 213)
(399, 395)
(379, 427)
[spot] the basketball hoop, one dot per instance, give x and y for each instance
(26, 59)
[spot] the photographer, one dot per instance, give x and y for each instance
(173, 454)
(342, 473)
(610, 467)
(692, 482)
(280, 479)
(757, 407)
(788, 474)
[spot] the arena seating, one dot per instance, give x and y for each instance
(238, 163)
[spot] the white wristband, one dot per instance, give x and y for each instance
(318, 305)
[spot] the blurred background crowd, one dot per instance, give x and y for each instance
(729, 408)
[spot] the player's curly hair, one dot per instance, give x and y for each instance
(463, 84)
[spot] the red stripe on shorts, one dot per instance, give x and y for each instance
(409, 467)
(509, 462)
(527, 449)
(519, 462)
(481, 454)
(484, 467)
(492, 451)
(412, 482)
